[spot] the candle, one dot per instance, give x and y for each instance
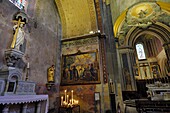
(61, 100)
(67, 98)
(65, 95)
(28, 66)
(70, 101)
(72, 96)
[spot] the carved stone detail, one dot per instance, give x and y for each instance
(13, 57)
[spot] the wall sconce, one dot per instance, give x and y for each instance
(49, 86)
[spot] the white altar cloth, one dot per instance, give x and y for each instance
(18, 99)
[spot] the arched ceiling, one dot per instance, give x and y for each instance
(135, 9)
(78, 17)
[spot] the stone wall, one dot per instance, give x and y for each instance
(85, 91)
(42, 34)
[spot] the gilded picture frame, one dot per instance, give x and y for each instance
(80, 68)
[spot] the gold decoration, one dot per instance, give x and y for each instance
(16, 32)
(141, 10)
(121, 18)
(50, 76)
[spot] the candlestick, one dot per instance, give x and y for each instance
(72, 96)
(61, 100)
(67, 98)
(65, 95)
(27, 72)
(28, 66)
(70, 101)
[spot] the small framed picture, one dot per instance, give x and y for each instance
(11, 87)
(97, 96)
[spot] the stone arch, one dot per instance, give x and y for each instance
(160, 30)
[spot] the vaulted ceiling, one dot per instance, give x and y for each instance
(78, 17)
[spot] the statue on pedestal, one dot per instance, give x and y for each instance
(20, 19)
(14, 55)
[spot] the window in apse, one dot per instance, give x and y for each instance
(140, 52)
(19, 3)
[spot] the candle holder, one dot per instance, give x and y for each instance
(49, 86)
(68, 102)
(27, 74)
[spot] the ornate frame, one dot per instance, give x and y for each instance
(80, 68)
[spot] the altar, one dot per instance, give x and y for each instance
(17, 92)
(146, 105)
(24, 104)
(73, 109)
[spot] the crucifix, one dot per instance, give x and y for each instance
(19, 22)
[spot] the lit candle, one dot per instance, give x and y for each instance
(28, 66)
(67, 98)
(72, 96)
(61, 100)
(65, 95)
(72, 101)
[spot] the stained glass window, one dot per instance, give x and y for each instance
(19, 3)
(140, 51)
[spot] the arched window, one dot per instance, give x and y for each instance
(19, 3)
(140, 51)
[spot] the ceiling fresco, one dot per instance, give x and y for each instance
(77, 17)
(142, 15)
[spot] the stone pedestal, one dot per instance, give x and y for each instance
(13, 56)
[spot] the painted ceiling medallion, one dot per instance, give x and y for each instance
(143, 14)
(141, 10)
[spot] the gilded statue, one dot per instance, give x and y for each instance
(19, 34)
(50, 76)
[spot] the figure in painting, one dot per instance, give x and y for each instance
(127, 79)
(66, 73)
(145, 71)
(87, 73)
(81, 70)
(75, 73)
(93, 73)
(142, 13)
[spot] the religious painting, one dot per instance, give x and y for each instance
(80, 68)
(145, 71)
(135, 71)
(155, 71)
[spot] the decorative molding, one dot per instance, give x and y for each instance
(92, 14)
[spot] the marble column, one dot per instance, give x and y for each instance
(167, 51)
(128, 62)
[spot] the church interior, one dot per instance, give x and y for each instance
(84, 56)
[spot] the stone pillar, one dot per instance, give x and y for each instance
(167, 51)
(38, 110)
(6, 109)
(128, 62)
(24, 109)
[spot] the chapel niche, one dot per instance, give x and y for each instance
(150, 57)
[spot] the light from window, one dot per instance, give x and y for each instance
(140, 52)
(19, 3)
